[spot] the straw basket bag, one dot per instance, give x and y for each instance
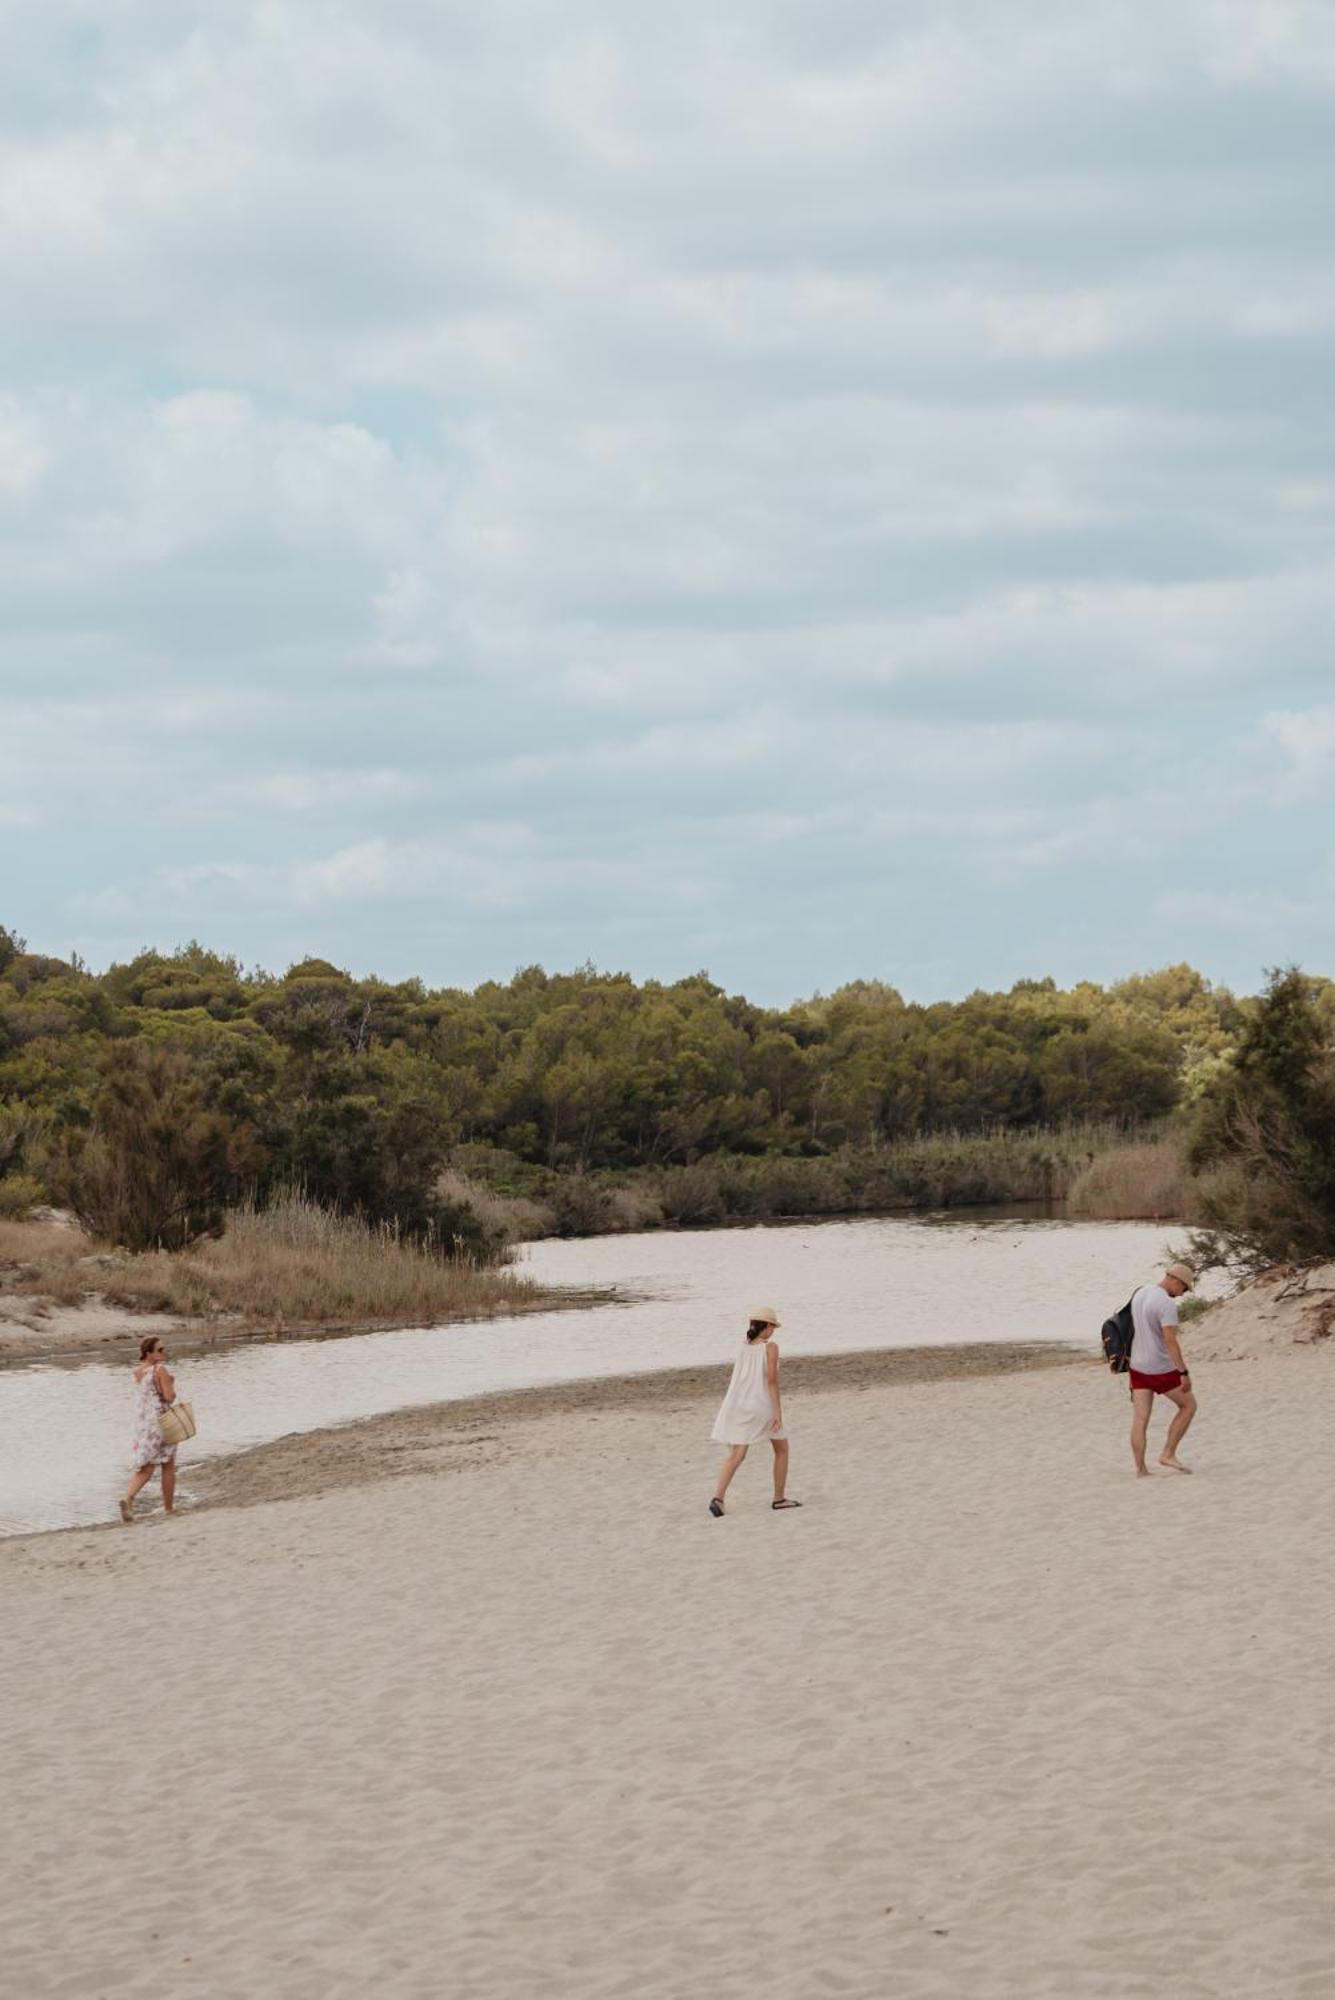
(177, 1422)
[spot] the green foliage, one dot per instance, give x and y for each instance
(157, 1166)
(360, 1090)
(19, 1194)
(1264, 1139)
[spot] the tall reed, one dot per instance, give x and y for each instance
(294, 1263)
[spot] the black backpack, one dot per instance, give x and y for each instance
(1118, 1334)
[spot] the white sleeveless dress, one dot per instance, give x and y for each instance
(747, 1411)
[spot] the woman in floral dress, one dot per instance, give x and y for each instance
(153, 1390)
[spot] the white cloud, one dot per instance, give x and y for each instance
(321, 791)
(667, 482)
(1307, 739)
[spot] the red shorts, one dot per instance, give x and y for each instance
(1160, 1384)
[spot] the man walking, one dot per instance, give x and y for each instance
(1157, 1367)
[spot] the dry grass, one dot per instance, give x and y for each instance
(501, 1220)
(1146, 1181)
(292, 1265)
(35, 1257)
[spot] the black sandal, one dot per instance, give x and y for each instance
(716, 1509)
(782, 1506)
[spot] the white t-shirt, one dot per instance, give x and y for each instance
(1152, 1309)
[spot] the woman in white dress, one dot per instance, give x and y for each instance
(751, 1410)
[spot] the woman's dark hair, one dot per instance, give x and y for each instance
(147, 1344)
(756, 1328)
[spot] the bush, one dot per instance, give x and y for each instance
(158, 1166)
(19, 1193)
(473, 1223)
(630, 1209)
(295, 1262)
(1130, 1182)
(1265, 1139)
(692, 1196)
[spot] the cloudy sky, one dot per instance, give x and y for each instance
(807, 491)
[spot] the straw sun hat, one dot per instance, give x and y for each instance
(766, 1315)
(1183, 1273)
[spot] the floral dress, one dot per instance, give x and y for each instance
(150, 1447)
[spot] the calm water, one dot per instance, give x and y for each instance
(64, 1430)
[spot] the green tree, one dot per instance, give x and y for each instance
(366, 1134)
(158, 1164)
(1265, 1137)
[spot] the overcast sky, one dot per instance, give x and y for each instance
(808, 491)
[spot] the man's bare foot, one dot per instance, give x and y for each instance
(1174, 1465)
(1142, 1472)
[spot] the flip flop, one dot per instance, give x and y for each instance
(782, 1506)
(716, 1509)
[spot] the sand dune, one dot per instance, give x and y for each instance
(986, 1720)
(1292, 1305)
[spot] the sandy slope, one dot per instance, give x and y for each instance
(1291, 1305)
(987, 1720)
(33, 1328)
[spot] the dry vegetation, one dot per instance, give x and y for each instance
(294, 1264)
(1149, 1180)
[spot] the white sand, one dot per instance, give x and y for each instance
(987, 1720)
(33, 1328)
(1291, 1305)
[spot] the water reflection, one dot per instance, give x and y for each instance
(871, 1282)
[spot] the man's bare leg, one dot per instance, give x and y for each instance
(1177, 1430)
(1142, 1402)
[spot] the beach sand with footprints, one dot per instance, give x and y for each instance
(491, 1707)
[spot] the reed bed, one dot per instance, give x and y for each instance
(293, 1263)
(1148, 1181)
(940, 1171)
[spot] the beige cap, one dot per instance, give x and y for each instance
(766, 1315)
(1183, 1273)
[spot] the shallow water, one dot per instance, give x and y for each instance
(873, 1282)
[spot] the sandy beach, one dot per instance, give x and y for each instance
(986, 1720)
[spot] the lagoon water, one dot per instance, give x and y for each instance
(680, 1300)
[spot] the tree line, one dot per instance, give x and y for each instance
(359, 1091)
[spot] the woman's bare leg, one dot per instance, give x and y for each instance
(139, 1480)
(729, 1466)
(169, 1484)
(780, 1466)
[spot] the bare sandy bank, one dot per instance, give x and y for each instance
(34, 1328)
(986, 1720)
(1292, 1305)
(411, 1441)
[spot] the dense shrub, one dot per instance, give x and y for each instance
(19, 1194)
(158, 1165)
(473, 1223)
(1265, 1137)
